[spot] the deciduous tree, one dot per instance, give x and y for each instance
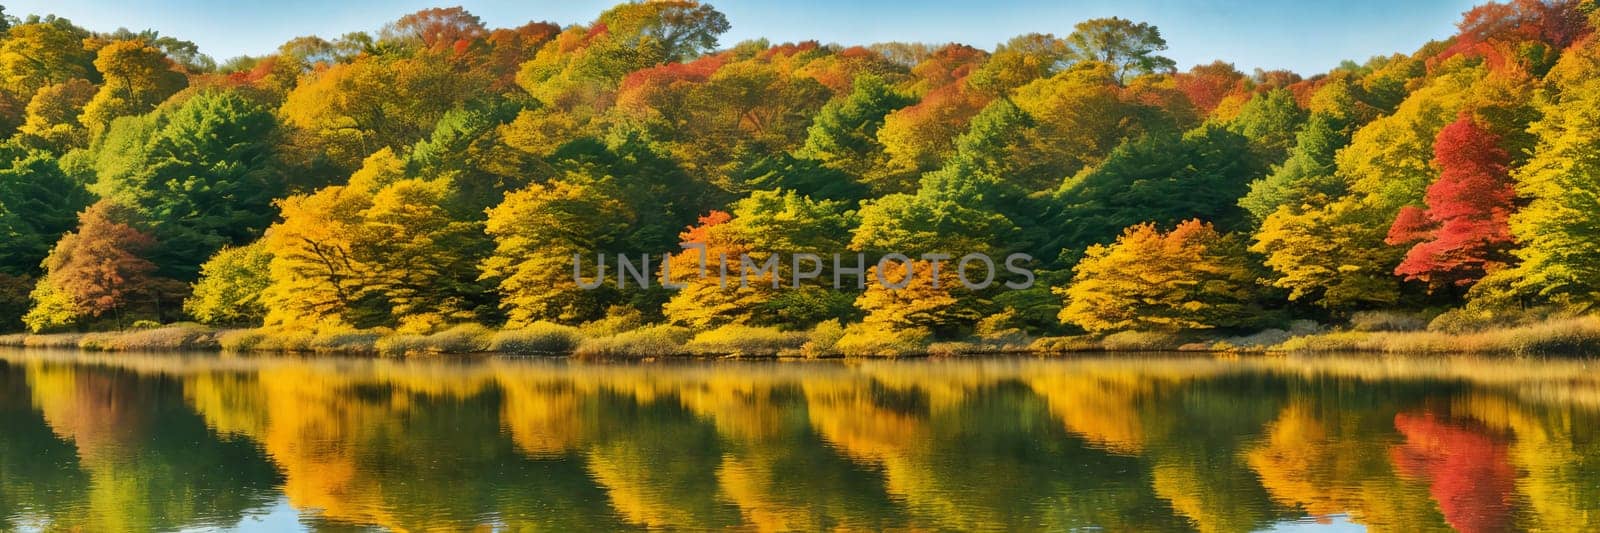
(1132, 48)
(230, 288)
(1189, 278)
(1463, 233)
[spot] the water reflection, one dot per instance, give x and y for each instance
(151, 442)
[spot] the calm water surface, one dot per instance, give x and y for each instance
(163, 442)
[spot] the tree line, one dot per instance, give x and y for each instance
(438, 172)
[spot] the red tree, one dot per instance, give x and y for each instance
(102, 264)
(438, 28)
(1497, 31)
(1207, 85)
(1463, 232)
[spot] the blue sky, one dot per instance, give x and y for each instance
(1305, 36)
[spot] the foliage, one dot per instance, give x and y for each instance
(203, 173)
(1128, 46)
(737, 340)
(865, 340)
(648, 341)
(231, 285)
(1463, 233)
(137, 76)
(1556, 227)
(1189, 278)
(844, 134)
(538, 338)
(101, 269)
(346, 190)
(38, 203)
(14, 301)
(903, 296)
(538, 232)
(1163, 179)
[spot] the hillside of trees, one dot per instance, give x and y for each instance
(439, 172)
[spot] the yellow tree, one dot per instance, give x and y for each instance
(230, 286)
(538, 232)
(315, 271)
(907, 297)
(1189, 278)
(137, 77)
(51, 122)
(715, 290)
(41, 53)
(424, 262)
(350, 110)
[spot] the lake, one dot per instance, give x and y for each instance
(129, 442)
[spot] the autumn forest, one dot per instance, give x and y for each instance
(432, 181)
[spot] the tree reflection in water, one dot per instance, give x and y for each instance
(158, 442)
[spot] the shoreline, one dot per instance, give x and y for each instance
(1578, 336)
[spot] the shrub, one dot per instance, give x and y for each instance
(539, 338)
(1074, 343)
(1142, 341)
(285, 341)
(961, 348)
(241, 340)
(1004, 327)
(648, 341)
(1580, 336)
(465, 338)
(1460, 321)
(1386, 321)
(346, 342)
(861, 340)
(54, 340)
(824, 339)
(1474, 318)
(1574, 336)
(173, 337)
(402, 345)
(1264, 339)
(421, 324)
(738, 340)
(618, 319)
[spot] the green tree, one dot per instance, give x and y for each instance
(844, 134)
(1270, 121)
(205, 173)
(1307, 175)
(468, 148)
(1159, 178)
(38, 203)
(1131, 48)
